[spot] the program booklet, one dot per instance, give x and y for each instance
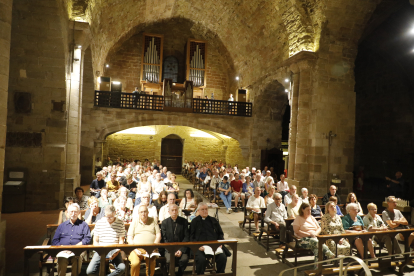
(209, 251)
(65, 254)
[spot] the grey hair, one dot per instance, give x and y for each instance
(171, 206)
(74, 205)
(351, 205)
(303, 189)
(389, 198)
(202, 204)
(277, 195)
(110, 209)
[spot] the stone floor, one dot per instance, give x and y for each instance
(28, 228)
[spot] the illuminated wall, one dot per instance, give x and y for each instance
(145, 142)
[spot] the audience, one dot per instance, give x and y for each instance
(145, 201)
(94, 212)
(275, 216)
(395, 219)
(353, 223)
(161, 201)
(103, 199)
(187, 203)
(123, 191)
(332, 192)
(143, 230)
(331, 224)
(113, 186)
(144, 186)
(80, 198)
(225, 193)
(157, 186)
(64, 215)
(108, 231)
(334, 199)
(254, 204)
(164, 211)
(307, 228)
(289, 197)
(248, 188)
(294, 206)
(304, 197)
(206, 228)
(283, 187)
(130, 185)
(351, 198)
(97, 184)
(315, 209)
(123, 212)
(175, 229)
(374, 223)
(269, 197)
(237, 192)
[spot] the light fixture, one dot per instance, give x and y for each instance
(173, 83)
(99, 79)
(412, 30)
(286, 90)
(286, 80)
(79, 46)
(116, 82)
(107, 65)
(237, 78)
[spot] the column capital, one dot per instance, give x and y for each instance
(300, 61)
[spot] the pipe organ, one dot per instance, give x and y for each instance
(196, 65)
(151, 65)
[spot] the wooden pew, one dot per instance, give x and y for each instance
(365, 236)
(29, 251)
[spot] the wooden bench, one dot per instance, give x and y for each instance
(52, 251)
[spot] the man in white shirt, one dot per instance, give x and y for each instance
(288, 197)
(247, 171)
(276, 215)
(164, 211)
(157, 186)
(151, 178)
(254, 204)
(282, 186)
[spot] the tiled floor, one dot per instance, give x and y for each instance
(29, 229)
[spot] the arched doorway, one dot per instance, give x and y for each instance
(172, 153)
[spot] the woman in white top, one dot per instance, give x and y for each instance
(293, 208)
(269, 197)
(144, 186)
(124, 192)
(304, 197)
(187, 203)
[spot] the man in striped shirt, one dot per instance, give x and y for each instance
(108, 231)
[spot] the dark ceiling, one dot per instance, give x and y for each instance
(390, 34)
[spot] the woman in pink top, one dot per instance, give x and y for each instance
(307, 228)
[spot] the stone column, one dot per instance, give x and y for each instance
(5, 37)
(97, 152)
(293, 126)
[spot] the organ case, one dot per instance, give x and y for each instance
(151, 63)
(196, 62)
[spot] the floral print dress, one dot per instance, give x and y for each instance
(333, 226)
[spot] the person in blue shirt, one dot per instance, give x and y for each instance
(338, 209)
(248, 187)
(225, 193)
(72, 232)
(202, 175)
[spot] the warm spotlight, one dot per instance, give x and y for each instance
(286, 80)
(286, 90)
(237, 78)
(107, 65)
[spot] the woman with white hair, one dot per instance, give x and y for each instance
(353, 223)
(123, 191)
(304, 197)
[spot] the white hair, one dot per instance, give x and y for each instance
(74, 205)
(277, 195)
(350, 206)
(304, 189)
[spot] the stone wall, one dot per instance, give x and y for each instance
(37, 65)
(138, 146)
(5, 37)
(125, 62)
(384, 116)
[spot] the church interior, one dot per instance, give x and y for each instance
(320, 90)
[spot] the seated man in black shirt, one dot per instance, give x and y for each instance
(206, 228)
(332, 192)
(97, 184)
(131, 185)
(175, 229)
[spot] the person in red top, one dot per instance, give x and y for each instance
(236, 187)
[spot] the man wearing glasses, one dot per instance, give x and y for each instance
(108, 231)
(275, 216)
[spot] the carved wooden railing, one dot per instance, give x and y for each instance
(157, 103)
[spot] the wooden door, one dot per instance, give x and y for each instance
(172, 153)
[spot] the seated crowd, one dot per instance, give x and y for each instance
(282, 202)
(144, 195)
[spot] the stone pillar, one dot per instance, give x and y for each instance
(293, 126)
(97, 152)
(5, 38)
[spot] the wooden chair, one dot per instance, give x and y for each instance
(292, 247)
(247, 218)
(267, 231)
